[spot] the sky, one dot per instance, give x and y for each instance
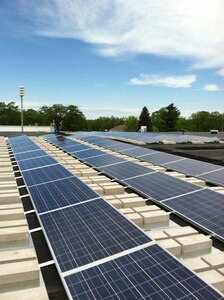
(113, 57)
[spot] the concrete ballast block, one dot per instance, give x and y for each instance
(135, 218)
(175, 232)
(196, 264)
(214, 278)
(215, 260)
(171, 245)
(155, 217)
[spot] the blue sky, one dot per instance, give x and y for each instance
(113, 57)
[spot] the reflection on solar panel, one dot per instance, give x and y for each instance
(137, 151)
(30, 154)
(216, 177)
(160, 186)
(60, 193)
(125, 170)
(204, 207)
(103, 160)
(88, 232)
(150, 273)
(89, 153)
(25, 148)
(45, 174)
(36, 162)
(192, 166)
(161, 158)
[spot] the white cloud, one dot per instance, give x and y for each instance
(212, 87)
(167, 81)
(220, 72)
(175, 28)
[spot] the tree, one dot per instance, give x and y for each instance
(131, 124)
(172, 115)
(159, 119)
(73, 119)
(144, 119)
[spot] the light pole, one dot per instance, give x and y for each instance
(21, 93)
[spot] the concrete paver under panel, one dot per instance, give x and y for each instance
(133, 202)
(16, 223)
(126, 210)
(171, 245)
(11, 214)
(193, 245)
(214, 278)
(215, 260)
(159, 216)
(196, 264)
(157, 235)
(145, 208)
(13, 234)
(175, 232)
(116, 203)
(9, 198)
(19, 272)
(136, 218)
(17, 255)
(38, 293)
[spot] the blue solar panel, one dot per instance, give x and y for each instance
(60, 193)
(125, 170)
(216, 177)
(78, 148)
(103, 160)
(205, 208)
(45, 174)
(159, 186)
(137, 151)
(31, 154)
(161, 158)
(89, 153)
(36, 162)
(26, 147)
(88, 232)
(150, 273)
(192, 166)
(119, 146)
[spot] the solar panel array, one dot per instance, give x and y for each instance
(98, 252)
(207, 171)
(158, 187)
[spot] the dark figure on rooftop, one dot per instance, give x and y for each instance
(57, 122)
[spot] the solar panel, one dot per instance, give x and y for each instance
(137, 151)
(192, 166)
(67, 191)
(31, 154)
(36, 162)
(45, 174)
(216, 177)
(25, 148)
(159, 186)
(161, 158)
(78, 148)
(103, 160)
(204, 207)
(89, 232)
(119, 146)
(150, 273)
(89, 153)
(125, 170)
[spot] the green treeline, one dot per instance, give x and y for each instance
(165, 119)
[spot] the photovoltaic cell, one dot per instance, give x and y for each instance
(78, 148)
(25, 148)
(205, 207)
(125, 170)
(60, 193)
(150, 273)
(192, 167)
(45, 174)
(137, 151)
(103, 160)
(31, 154)
(89, 153)
(88, 232)
(36, 162)
(216, 177)
(160, 158)
(159, 186)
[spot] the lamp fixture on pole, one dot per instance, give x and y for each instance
(21, 94)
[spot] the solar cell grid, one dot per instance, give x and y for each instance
(30, 154)
(45, 174)
(56, 194)
(125, 170)
(159, 186)
(161, 158)
(89, 232)
(36, 162)
(103, 160)
(78, 148)
(89, 153)
(150, 273)
(205, 207)
(192, 166)
(137, 151)
(216, 177)
(25, 148)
